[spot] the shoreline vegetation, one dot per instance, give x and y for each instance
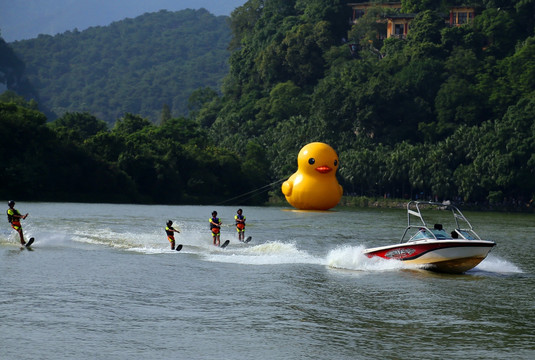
(352, 202)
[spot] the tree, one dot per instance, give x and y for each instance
(457, 102)
(243, 20)
(38, 165)
(369, 32)
(515, 142)
(130, 124)
(416, 6)
(199, 98)
(517, 74)
(301, 51)
(499, 27)
(424, 39)
(284, 142)
(361, 170)
(10, 96)
(255, 168)
(77, 127)
(285, 100)
(166, 113)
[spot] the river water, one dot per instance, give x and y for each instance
(102, 283)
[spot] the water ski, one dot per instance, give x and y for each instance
(179, 247)
(30, 242)
(249, 238)
(225, 244)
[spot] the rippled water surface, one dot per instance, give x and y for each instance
(102, 283)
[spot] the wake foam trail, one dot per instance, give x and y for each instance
(270, 253)
(148, 243)
(352, 258)
(42, 239)
(497, 265)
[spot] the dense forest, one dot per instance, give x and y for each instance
(76, 158)
(135, 65)
(447, 113)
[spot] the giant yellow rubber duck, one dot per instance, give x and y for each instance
(314, 186)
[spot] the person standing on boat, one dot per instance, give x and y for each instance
(240, 224)
(14, 216)
(215, 226)
(170, 231)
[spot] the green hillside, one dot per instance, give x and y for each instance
(445, 113)
(131, 66)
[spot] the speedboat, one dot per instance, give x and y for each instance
(432, 248)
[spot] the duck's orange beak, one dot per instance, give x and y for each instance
(323, 169)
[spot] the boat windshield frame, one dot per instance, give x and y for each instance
(415, 220)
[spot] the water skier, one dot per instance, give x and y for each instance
(240, 224)
(14, 216)
(215, 226)
(169, 230)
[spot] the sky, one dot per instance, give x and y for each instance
(26, 19)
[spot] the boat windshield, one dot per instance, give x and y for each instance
(430, 234)
(465, 234)
(421, 234)
(440, 234)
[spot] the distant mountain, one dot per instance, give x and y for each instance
(12, 72)
(131, 66)
(22, 20)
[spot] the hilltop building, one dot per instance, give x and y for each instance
(398, 24)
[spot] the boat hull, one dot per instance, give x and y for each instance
(450, 256)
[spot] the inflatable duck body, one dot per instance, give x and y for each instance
(314, 186)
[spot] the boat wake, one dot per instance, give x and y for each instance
(352, 258)
(496, 265)
(269, 253)
(196, 243)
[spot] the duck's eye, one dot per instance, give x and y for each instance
(311, 161)
(335, 162)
